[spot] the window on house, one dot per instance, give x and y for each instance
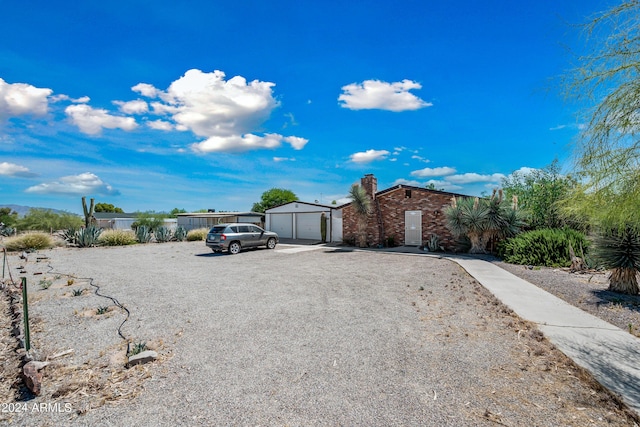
(407, 194)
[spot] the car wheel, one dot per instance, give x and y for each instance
(271, 243)
(234, 248)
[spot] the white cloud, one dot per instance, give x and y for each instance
(443, 184)
(283, 159)
(137, 106)
(469, 178)
(83, 184)
(242, 143)
(160, 125)
(429, 172)
(11, 169)
(420, 158)
(147, 90)
(63, 97)
(92, 120)
(401, 181)
(376, 94)
(225, 112)
(369, 156)
(19, 99)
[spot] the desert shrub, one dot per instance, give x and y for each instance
(29, 241)
(117, 238)
(198, 234)
(434, 244)
(46, 220)
(163, 234)
(545, 247)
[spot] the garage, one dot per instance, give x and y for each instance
(282, 224)
(301, 220)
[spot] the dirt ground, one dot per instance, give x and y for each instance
(294, 336)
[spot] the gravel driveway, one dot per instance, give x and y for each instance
(292, 336)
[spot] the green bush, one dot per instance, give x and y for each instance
(198, 234)
(544, 247)
(143, 234)
(29, 241)
(117, 238)
(180, 233)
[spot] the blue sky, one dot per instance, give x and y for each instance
(153, 105)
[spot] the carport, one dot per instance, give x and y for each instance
(301, 220)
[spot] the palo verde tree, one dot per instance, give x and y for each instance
(107, 207)
(274, 197)
(607, 84)
(540, 192)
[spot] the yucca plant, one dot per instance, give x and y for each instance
(361, 205)
(482, 219)
(618, 249)
(180, 234)
(88, 236)
(143, 235)
(163, 234)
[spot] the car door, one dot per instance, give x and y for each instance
(247, 237)
(260, 235)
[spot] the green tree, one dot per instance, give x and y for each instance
(107, 207)
(48, 220)
(539, 193)
(150, 219)
(361, 204)
(8, 217)
(175, 211)
(607, 84)
(274, 197)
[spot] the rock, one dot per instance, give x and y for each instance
(142, 357)
(32, 376)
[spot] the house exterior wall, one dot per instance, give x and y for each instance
(391, 206)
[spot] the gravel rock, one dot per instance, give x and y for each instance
(318, 337)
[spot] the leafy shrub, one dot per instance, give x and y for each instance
(180, 233)
(47, 220)
(198, 234)
(117, 238)
(88, 236)
(29, 241)
(143, 234)
(546, 247)
(163, 234)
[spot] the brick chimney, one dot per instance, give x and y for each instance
(370, 185)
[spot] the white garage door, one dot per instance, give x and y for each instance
(308, 226)
(282, 224)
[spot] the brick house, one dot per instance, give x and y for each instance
(408, 214)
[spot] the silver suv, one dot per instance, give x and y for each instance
(235, 237)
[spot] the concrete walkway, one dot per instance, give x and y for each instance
(611, 354)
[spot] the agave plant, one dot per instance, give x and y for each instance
(163, 234)
(70, 235)
(143, 235)
(180, 234)
(618, 249)
(88, 236)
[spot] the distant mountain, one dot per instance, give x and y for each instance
(23, 210)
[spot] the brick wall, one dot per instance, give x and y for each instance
(392, 205)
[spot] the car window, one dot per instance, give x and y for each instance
(243, 229)
(217, 229)
(233, 229)
(255, 229)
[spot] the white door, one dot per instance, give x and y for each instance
(308, 226)
(282, 224)
(413, 228)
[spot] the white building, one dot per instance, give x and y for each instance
(301, 220)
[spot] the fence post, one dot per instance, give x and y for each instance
(4, 260)
(25, 309)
